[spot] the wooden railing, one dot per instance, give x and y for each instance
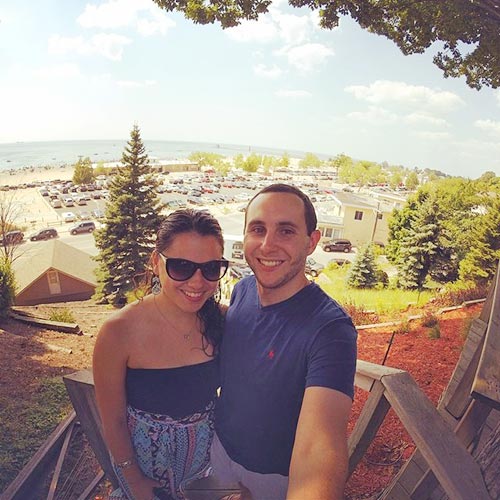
(442, 435)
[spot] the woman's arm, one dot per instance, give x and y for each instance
(110, 358)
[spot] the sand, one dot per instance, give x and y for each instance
(17, 177)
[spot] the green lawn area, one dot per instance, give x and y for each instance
(383, 301)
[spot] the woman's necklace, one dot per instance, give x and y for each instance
(185, 336)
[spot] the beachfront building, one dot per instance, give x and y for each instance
(56, 272)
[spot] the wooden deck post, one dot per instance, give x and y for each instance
(80, 387)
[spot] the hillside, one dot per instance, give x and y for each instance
(30, 356)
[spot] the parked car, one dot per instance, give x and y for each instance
(44, 234)
(337, 245)
(239, 271)
(12, 238)
(56, 203)
(69, 217)
(313, 268)
(83, 227)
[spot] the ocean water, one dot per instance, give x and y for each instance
(57, 153)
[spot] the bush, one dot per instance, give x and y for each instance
(7, 287)
(434, 332)
(457, 293)
(359, 315)
(429, 320)
(61, 315)
(403, 328)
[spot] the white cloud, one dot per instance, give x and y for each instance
(106, 45)
(292, 93)
(59, 71)
(136, 84)
(271, 72)
(308, 56)
(433, 136)
(374, 115)
(159, 24)
(384, 91)
(488, 126)
(126, 13)
(292, 29)
(261, 31)
(425, 119)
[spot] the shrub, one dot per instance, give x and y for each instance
(457, 293)
(429, 320)
(403, 328)
(61, 315)
(359, 315)
(434, 332)
(7, 287)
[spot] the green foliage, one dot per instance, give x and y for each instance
(310, 160)
(359, 314)
(284, 160)
(63, 315)
(434, 332)
(27, 424)
(252, 162)
(363, 271)
(429, 319)
(468, 31)
(431, 234)
(480, 263)
(132, 219)
(84, 173)
(403, 328)
(411, 181)
(457, 293)
(7, 287)
(204, 158)
(385, 301)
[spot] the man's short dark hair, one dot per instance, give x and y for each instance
(309, 212)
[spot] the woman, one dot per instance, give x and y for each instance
(155, 367)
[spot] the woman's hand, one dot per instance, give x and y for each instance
(142, 488)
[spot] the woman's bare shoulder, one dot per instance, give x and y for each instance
(122, 322)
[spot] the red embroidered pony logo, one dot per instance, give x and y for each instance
(271, 354)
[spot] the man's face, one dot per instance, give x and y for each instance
(276, 244)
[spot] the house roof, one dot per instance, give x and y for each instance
(53, 254)
(354, 200)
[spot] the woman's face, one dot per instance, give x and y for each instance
(191, 294)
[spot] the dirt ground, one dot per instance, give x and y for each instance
(28, 354)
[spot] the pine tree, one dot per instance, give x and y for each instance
(363, 272)
(132, 218)
(419, 247)
(480, 263)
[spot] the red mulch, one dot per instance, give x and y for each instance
(431, 363)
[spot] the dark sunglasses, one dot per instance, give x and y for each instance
(183, 269)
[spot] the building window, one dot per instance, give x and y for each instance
(358, 215)
(54, 283)
(379, 216)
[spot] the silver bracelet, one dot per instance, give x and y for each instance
(125, 464)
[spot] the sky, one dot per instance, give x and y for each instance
(74, 70)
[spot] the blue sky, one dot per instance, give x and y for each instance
(89, 70)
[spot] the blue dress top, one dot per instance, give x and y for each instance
(177, 392)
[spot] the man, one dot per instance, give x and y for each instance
(288, 360)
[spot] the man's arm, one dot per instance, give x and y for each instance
(319, 463)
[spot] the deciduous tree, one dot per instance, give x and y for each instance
(132, 219)
(84, 173)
